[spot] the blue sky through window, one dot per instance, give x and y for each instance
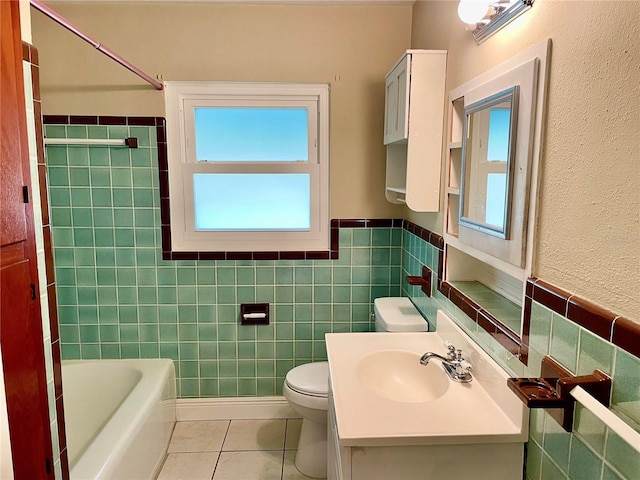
(249, 134)
(496, 198)
(498, 147)
(239, 201)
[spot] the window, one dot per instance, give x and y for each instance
(248, 166)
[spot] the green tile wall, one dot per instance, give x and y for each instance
(118, 299)
(592, 451)
(416, 253)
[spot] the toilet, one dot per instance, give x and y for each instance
(306, 386)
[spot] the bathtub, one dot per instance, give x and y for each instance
(119, 416)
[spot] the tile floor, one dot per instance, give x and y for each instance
(233, 450)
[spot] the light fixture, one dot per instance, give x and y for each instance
(473, 11)
(486, 17)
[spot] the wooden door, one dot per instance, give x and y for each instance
(20, 317)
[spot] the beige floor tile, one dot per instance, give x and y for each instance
(293, 433)
(189, 466)
(255, 435)
(198, 436)
(266, 465)
(289, 470)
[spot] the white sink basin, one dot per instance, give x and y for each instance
(398, 375)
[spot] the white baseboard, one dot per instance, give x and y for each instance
(237, 408)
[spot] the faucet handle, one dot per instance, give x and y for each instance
(464, 368)
(450, 350)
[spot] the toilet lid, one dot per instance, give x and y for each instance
(398, 314)
(310, 378)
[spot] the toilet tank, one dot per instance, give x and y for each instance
(397, 314)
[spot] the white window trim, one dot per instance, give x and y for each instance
(181, 97)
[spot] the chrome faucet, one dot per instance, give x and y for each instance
(454, 364)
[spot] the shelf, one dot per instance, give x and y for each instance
(396, 195)
(483, 257)
(456, 118)
(493, 302)
(452, 203)
(454, 162)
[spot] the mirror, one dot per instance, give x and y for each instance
(488, 152)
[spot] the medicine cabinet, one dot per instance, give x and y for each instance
(489, 246)
(414, 112)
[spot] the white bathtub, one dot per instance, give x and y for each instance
(119, 416)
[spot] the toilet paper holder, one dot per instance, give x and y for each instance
(254, 314)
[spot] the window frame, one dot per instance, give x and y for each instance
(181, 99)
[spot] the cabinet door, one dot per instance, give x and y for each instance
(20, 321)
(338, 458)
(396, 125)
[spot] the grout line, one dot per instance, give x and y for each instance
(286, 430)
(613, 324)
(284, 452)
(215, 467)
(226, 433)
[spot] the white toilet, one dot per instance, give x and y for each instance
(306, 386)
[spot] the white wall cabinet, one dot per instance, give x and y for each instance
(413, 124)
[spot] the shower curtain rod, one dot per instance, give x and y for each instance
(56, 17)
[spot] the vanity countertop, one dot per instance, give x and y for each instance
(483, 411)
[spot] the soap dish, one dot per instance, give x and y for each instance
(536, 392)
(552, 390)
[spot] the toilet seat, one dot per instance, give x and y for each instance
(310, 379)
(302, 400)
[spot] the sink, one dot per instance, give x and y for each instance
(382, 396)
(398, 375)
(390, 417)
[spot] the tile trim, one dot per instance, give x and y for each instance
(102, 120)
(233, 408)
(625, 334)
(616, 329)
(494, 327)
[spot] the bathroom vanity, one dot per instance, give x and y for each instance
(390, 417)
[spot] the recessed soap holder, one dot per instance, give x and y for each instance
(552, 390)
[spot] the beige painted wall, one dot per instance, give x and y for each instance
(588, 238)
(351, 46)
